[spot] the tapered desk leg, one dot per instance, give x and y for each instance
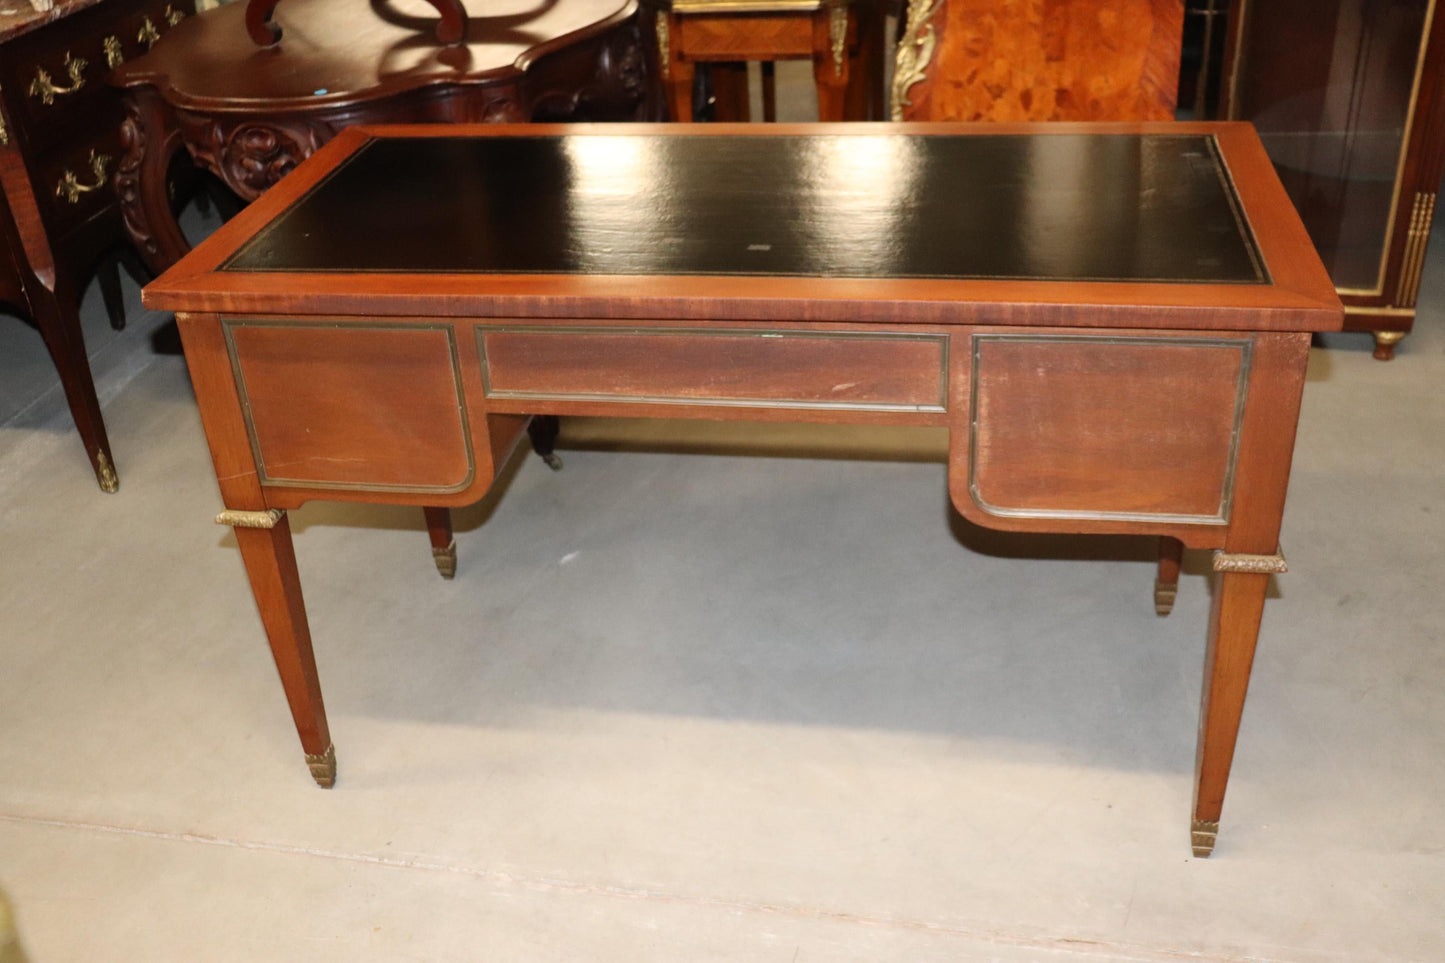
(443, 545)
(271, 566)
(1166, 583)
(1233, 631)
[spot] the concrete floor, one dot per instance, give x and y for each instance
(742, 693)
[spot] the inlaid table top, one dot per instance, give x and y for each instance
(1112, 321)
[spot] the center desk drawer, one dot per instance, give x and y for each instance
(859, 370)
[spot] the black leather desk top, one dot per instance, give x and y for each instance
(1070, 207)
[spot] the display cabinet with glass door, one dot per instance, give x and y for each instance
(1349, 99)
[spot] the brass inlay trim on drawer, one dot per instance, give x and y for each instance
(491, 392)
(1245, 346)
(227, 326)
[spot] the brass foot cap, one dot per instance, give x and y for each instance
(553, 460)
(446, 559)
(105, 474)
(323, 767)
(1164, 593)
(1202, 836)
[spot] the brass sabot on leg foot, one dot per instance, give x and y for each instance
(446, 559)
(1164, 593)
(553, 460)
(323, 767)
(1201, 837)
(105, 474)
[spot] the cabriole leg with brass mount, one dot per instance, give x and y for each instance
(57, 317)
(270, 559)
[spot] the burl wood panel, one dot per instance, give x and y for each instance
(354, 406)
(1025, 60)
(826, 369)
(744, 37)
(1100, 427)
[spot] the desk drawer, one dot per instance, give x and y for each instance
(863, 371)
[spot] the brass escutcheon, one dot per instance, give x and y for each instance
(148, 33)
(173, 16)
(114, 56)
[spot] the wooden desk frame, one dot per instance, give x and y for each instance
(506, 346)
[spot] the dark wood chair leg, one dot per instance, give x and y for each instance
(107, 275)
(770, 92)
(271, 566)
(1166, 584)
(866, 98)
(443, 545)
(543, 431)
(57, 315)
(730, 92)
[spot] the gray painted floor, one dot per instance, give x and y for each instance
(711, 693)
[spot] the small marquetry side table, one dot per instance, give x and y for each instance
(841, 38)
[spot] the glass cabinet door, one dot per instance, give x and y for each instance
(1331, 86)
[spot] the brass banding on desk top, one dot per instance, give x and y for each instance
(936, 373)
(229, 327)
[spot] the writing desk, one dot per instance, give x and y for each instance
(1112, 321)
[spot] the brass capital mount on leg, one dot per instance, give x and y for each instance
(1251, 564)
(239, 519)
(323, 767)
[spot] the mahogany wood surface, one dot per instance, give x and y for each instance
(1143, 407)
(1157, 437)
